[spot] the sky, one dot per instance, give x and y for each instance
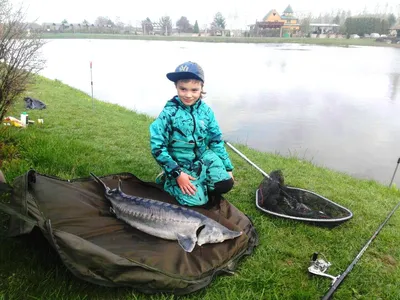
(238, 13)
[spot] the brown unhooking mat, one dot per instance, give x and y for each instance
(96, 247)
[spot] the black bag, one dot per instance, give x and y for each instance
(32, 103)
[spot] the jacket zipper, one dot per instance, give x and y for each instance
(194, 130)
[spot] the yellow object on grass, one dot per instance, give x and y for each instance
(11, 121)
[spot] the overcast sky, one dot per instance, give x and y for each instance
(246, 11)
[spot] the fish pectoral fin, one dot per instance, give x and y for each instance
(186, 242)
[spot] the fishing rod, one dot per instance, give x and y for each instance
(341, 277)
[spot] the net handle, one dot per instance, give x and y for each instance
(246, 159)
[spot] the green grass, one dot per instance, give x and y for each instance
(216, 39)
(76, 139)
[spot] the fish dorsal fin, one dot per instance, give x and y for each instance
(119, 185)
(186, 242)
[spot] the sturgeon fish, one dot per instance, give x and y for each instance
(166, 221)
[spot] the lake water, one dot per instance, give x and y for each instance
(337, 107)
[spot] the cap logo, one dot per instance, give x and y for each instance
(183, 68)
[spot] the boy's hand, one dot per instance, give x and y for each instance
(185, 185)
(230, 174)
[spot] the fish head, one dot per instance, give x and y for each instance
(210, 234)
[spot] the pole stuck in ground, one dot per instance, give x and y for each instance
(91, 82)
(395, 170)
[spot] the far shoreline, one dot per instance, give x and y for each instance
(338, 42)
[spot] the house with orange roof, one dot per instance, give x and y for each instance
(275, 24)
(291, 22)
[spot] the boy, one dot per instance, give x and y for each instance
(187, 143)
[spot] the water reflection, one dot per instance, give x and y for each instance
(334, 106)
(394, 85)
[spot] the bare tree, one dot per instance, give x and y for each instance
(147, 26)
(119, 24)
(166, 25)
(104, 22)
(85, 23)
(19, 55)
(305, 25)
(336, 20)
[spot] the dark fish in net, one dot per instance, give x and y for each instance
(276, 198)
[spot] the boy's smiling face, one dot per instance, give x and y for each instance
(189, 91)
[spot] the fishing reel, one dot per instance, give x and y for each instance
(319, 266)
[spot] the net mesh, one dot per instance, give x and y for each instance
(274, 196)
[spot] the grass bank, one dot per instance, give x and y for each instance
(216, 39)
(76, 139)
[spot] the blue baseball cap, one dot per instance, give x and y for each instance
(187, 70)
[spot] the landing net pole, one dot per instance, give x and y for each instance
(248, 160)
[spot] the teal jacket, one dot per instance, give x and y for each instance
(181, 134)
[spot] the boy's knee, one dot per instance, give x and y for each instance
(198, 199)
(224, 186)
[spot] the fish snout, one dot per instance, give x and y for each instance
(231, 234)
(216, 234)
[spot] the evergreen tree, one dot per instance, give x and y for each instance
(219, 21)
(196, 27)
(392, 19)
